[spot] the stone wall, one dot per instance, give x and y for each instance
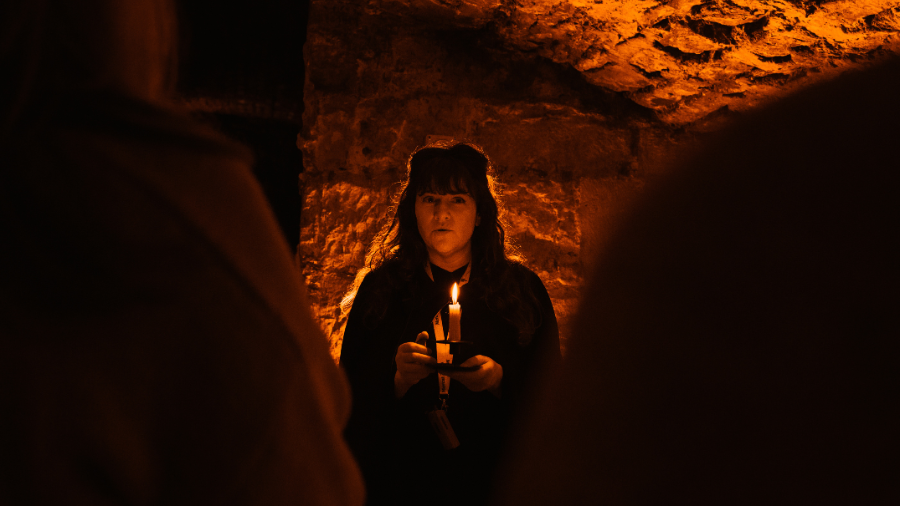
(572, 150)
(563, 155)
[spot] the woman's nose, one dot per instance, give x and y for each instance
(441, 210)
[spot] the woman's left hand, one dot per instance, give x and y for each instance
(486, 377)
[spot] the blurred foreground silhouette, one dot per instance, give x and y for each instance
(157, 345)
(738, 342)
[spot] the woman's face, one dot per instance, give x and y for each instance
(446, 223)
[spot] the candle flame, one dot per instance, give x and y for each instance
(455, 292)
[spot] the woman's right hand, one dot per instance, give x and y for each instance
(413, 364)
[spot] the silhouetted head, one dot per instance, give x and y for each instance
(52, 48)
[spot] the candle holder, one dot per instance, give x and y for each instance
(456, 349)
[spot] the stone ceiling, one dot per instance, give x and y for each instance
(682, 59)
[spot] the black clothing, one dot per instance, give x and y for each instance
(394, 443)
(444, 280)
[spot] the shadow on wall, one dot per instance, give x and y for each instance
(277, 163)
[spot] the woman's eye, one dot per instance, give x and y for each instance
(427, 199)
(459, 200)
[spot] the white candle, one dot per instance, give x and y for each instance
(455, 312)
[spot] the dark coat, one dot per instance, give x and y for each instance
(398, 451)
(737, 343)
(157, 346)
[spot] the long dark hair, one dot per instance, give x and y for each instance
(399, 251)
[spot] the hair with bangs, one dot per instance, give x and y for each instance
(448, 168)
(447, 175)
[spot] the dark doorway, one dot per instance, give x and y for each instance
(244, 61)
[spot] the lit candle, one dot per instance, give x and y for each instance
(455, 312)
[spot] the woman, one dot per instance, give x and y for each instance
(446, 230)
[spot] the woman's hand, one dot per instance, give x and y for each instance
(412, 364)
(486, 377)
